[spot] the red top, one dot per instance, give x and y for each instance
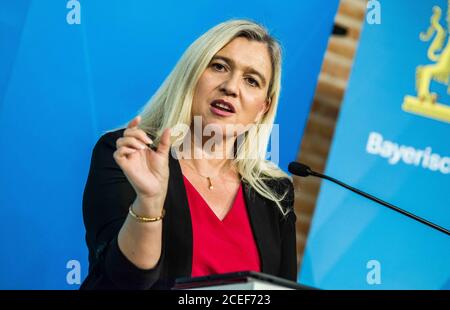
(221, 246)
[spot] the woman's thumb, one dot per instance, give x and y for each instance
(164, 142)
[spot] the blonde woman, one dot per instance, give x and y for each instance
(161, 201)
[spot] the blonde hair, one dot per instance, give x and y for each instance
(172, 103)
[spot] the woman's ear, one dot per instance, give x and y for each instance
(268, 103)
(264, 111)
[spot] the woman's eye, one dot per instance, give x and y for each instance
(253, 82)
(218, 67)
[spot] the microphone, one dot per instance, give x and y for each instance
(339, 30)
(303, 170)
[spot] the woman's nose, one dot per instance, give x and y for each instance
(230, 86)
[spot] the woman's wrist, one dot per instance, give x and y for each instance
(146, 219)
(149, 207)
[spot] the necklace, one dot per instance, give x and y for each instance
(210, 186)
(208, 178)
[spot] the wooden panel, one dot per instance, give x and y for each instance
(342, 45)
(324, 112)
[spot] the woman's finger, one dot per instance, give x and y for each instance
(120, 155)
(124, 151)
(138, 134)
(130, 142)
(134, 122)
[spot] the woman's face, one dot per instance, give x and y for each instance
(233, 88)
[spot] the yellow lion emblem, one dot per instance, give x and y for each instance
(426, 102)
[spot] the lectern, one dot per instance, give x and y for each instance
(245, 280)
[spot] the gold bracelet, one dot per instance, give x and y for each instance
(144, 219)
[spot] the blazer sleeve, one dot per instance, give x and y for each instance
(107, 197)
(288, 267)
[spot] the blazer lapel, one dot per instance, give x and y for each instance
(178, 225)
(260, 219)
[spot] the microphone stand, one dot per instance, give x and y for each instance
(306, 171)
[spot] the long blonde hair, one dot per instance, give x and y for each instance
(172, 103)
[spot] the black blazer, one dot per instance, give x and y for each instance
(108, 195)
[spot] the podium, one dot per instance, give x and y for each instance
(245, 280)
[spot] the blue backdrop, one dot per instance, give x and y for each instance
(62, 83)
(400, 156)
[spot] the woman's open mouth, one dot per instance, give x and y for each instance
(222, 108)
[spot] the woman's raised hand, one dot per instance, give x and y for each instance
(147, 170)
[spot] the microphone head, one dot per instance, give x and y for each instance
(299, 169)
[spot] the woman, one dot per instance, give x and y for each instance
(182, 207)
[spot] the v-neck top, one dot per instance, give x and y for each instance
(221, 246)
(108, 195)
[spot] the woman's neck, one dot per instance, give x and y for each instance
(208, 155)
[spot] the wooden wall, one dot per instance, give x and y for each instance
(321, 122)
